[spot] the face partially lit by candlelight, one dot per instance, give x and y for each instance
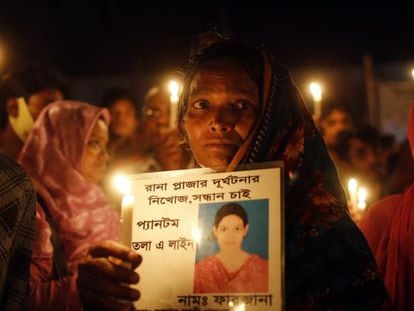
(123, 118)
(95, 156)
(223, 106)
(230, 233)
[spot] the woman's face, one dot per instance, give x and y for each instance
(123, 118)
(95, 156)
(223, 106)
(230, 232)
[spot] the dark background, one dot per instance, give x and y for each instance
(95, 43)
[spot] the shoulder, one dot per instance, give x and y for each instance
(257, 260)
(14, 181)
(381, 212)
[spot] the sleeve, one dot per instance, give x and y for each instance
(17, 218)
(46, 293)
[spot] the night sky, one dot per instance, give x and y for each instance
(123, 37)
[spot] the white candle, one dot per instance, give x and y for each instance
(174, 88)
(352, 191)
(362, 196)
(316, 92)
(127, 207)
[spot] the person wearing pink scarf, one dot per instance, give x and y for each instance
(389, 228)
(66, 157)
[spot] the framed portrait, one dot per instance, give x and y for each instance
(209, 241)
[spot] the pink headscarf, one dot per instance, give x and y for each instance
(53, 156)
(389, 229)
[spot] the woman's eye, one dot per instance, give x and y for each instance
(243, 105)
(201, 104)
(94, 144)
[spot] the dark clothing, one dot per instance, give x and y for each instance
(17, 229)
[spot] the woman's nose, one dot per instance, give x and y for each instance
(223, 120)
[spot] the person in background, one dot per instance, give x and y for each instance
(359, 149)
(125, 133)
(389, 228)
(162, 141)
(239, 106)
(24, 92)
(334, 120)
(401, 175)
(66, 156)
(17, 230)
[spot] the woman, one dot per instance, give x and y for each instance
(388, 227)
(231, 270)
(66, 157)
(239, 106)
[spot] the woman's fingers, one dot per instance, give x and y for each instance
(89, 281)
(116, 250)
(104, 268)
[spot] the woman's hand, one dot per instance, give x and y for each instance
(105, 275)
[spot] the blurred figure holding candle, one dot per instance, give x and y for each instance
(358, 149)
(334, 120)
(161, 138)
(389, 229)
(66, 156)
(124, 131)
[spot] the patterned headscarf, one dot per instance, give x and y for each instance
(53, 156)
(328, 262)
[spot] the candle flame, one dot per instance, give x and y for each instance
(362, 196)
(352, 185)
(316, 91)
(122, 184)
(174, 88)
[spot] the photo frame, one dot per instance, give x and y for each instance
(172, 224)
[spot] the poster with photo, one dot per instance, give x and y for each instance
(209, 241)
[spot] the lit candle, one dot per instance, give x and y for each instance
(174, 88)
(362, 196)
(316, 92)
(412, 73)
(352, 191)
(123, 185)
(127, 208)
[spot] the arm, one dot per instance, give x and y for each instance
(17, 218)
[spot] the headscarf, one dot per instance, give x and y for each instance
(328, 262)
(389, 227)
(53, 156)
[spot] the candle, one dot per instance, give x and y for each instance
(316, 92)
(123, 185)
(362, 196)
(127, 207)
(174, 88)
(352, 191)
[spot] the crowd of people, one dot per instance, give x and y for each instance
(60, 224)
